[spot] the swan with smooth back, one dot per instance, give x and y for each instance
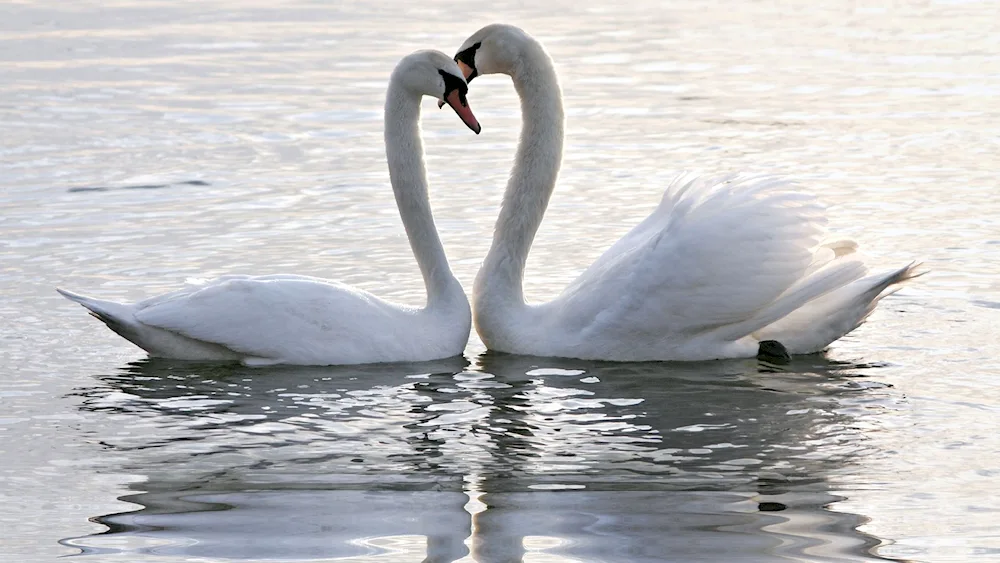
(290, 319)
(722, 267)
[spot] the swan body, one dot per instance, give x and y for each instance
(723, 263)
(290, 319)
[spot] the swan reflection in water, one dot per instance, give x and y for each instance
(584, 460)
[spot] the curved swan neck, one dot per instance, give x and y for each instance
(405, 154)
(533, 177)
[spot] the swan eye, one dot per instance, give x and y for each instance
(468, 58)
(452, 83)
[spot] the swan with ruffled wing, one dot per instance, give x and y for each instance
(723, 266)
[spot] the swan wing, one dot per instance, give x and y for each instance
(717, 252)
(289, 318)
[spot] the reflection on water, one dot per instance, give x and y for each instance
(597, 461)
(262, 122)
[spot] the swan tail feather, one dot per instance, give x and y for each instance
(821, 282)
(159, 342)
(819, 323)
(117, 316)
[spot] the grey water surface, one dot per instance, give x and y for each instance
(146, 142)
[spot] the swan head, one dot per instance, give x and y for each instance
(432, 73)
(495, 49)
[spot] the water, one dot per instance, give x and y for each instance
(147, 142)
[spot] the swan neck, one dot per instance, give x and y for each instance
(533, 177)
(405, 155)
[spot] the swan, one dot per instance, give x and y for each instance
(290, 319)
(725, 267)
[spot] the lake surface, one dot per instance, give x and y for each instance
(147, 142)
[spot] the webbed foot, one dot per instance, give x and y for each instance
(774, 352)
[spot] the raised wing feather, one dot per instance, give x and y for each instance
(716, 251)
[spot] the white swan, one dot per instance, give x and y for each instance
(288, 319)
(723, 267)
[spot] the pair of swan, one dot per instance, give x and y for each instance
(721, 267)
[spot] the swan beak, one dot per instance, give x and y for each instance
(458, 103)
(467, 71)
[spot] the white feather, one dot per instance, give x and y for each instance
(303, 320)
(723, 263)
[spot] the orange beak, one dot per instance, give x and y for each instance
(466, 70)
(461, 107)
